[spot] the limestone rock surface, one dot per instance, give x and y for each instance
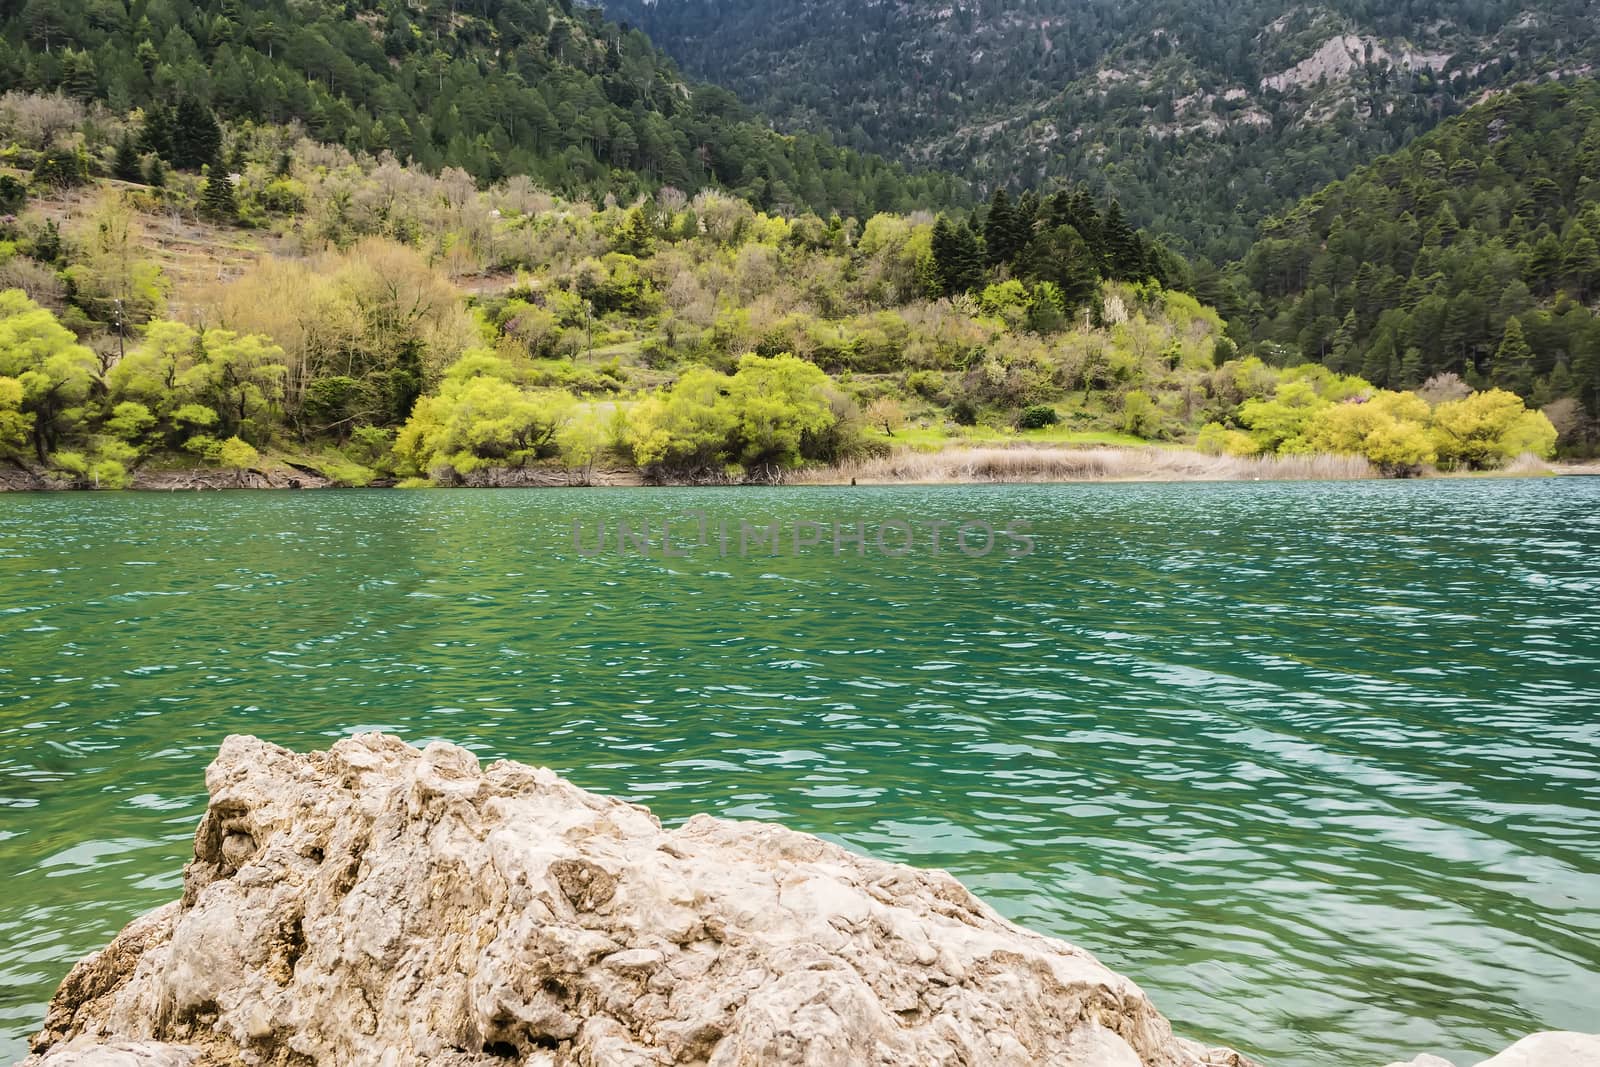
(1553, 1048)
(376, 904)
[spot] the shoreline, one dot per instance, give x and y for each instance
(959, 465)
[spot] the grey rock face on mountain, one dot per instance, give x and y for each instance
(1200, 118)
(374, 904)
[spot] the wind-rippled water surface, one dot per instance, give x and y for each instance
(1317, 764)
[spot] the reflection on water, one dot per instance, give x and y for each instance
(1318, 765)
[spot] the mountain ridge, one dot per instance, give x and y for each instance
(1202, 118)
(1474, 252)
(495, 87)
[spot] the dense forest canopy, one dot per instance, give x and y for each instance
(1474, 251)
(497, 87)
(1201, 116)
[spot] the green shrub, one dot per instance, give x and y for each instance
(1037, 417)
(13, 195)
(927, 384)
(62, 168)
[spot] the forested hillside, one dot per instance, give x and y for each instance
(339, 298)
(384, 242)
(1475, 251)
(1201, 117)
(375, 321)
(497, 87)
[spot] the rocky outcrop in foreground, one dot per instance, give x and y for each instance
(374, 904)
(1553, 1049)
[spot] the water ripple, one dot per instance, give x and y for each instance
(1318, 765)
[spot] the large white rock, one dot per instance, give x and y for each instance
(378, 905)
(87, 1051)
(1555, 1048)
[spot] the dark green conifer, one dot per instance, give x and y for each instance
(125, 167)
(217, 200)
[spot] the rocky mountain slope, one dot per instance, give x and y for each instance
(1202, 117)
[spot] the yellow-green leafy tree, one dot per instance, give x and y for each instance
(778, 402)
(16, 425)
(1486, 429)
(1140, 415)
(581, 442)
(238, 456)
(238, 379)
(1280, 424)
(110, 273)
(1390, 429)
(481, 418)
(55, 372)
(685, 429)
(1216, 439)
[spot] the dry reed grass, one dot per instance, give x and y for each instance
(1528, 463)
(1043, 464)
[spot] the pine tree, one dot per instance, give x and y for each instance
(1062, 257)
(1411, 369)
(1543, 264)
(1000, 229)
(1124, 258)
(196, 137)
(78, 75)
(1027, 216)
(216, 199)
(957, 258)
(1513, 361)
(637, 237)
(1559, 382)
(1586, 368)
(1379, 361)
(1076, 209)
(1582, 264)
(155, 175)
(969, 260)
(1343, 356)
(147, 56)
(126, 165)
(46, 22)
(1445, 227)
(155, 135)
(945, 255)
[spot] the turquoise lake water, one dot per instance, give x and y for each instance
(1318, 765)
